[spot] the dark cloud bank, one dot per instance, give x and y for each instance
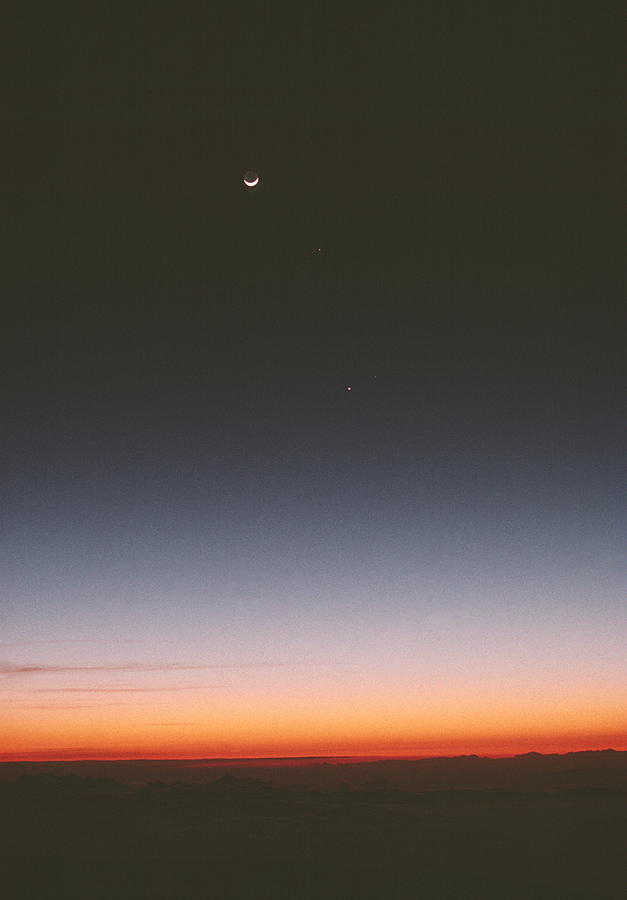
(529, 827)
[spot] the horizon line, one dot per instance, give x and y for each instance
(375, 757)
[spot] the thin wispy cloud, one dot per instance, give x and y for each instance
(50, 752)
(168, 724)
(124, 690)
(54, 706)
(7, 668)
(52, 641)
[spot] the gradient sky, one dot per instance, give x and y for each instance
(209, 546)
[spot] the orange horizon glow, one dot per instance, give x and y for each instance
(269, 717)
(397, 707)
(495, 748)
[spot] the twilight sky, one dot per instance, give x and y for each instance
(209, 546)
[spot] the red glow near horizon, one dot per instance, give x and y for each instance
(269, 716)
(485, 748)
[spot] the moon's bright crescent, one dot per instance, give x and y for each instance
(251, 183)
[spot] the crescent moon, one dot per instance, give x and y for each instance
(252, 183)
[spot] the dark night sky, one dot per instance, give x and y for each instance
(176, 351)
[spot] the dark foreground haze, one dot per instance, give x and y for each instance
(531, 826)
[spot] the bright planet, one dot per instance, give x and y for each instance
(251, 179)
